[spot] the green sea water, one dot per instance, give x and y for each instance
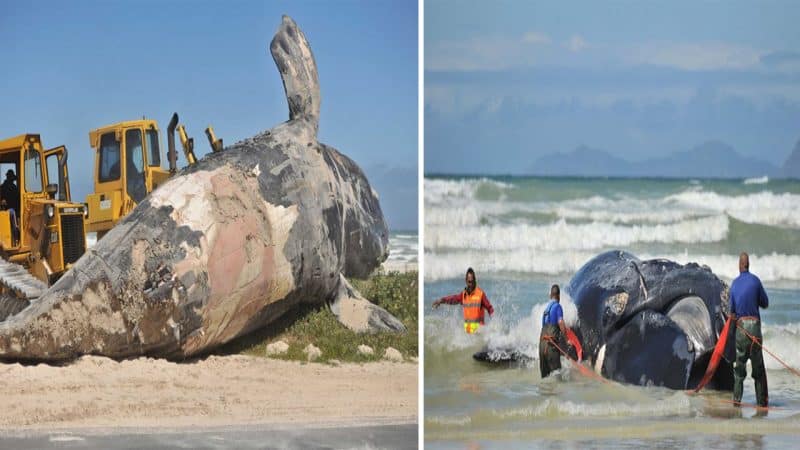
(523, 234)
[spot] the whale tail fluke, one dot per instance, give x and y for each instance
(298, 70)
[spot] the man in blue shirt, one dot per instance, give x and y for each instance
(746, 296)
(553, 331)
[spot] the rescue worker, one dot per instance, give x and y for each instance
(746, 296)
(554, 331)
(473, 301)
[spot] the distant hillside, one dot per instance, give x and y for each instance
(583, 161)
(791, 167)
(712, 159)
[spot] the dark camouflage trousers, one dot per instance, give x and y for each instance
(747, 349)
(549, 356)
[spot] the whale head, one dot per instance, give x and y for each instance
(651, 322)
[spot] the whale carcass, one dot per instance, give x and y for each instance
(223, 248)
(651, 322)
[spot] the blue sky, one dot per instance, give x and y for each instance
(69, 67)
(507, 82)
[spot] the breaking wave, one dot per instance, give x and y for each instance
(598, 209)
(783, 340)
(757, 180)
(764, 207)
(562, 235)
(403, 248)
(439, 190)
(771, 267)
(470, 201)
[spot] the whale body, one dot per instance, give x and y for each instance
(652, 322)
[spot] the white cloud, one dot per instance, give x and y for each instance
(530, 49)
(487, 53)
(576, 43)
(535, 37)
(695, 56)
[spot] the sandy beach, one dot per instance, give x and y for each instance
(97, 392)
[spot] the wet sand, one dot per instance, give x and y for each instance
(239, 437)
(218, 391)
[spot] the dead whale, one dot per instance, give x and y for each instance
(651, 322)
(223, 248)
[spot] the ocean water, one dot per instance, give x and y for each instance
(523, 234)
(403, 250)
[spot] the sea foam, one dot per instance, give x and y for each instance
(562, 235)
(439, 266)
(766, 208)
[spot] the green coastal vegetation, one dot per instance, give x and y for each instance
(394, 291)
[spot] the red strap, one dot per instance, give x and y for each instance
(747, 318)
(575, 343)
(583, 369)
(719, 349)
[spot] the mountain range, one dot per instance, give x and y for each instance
(712, 159)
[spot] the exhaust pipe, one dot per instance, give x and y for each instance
(216, 144)
(63, 181)
(171, 154)
(188, 145)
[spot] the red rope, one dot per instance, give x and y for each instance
(580, 366)
(715, 358)
(755, 339)
(709, 371)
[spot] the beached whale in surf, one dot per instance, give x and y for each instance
(651, 322)
(226, 246)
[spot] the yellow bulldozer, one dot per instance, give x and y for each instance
(128, 167)
(41, 229)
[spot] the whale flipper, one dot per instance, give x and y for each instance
(295, 62)
(359, 314)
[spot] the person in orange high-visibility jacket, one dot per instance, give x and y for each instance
(472, 300)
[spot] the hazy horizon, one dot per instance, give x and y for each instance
(509, 82)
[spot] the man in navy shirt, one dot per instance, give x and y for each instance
(747, 295)
(553, 331)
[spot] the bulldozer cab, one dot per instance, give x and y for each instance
(39, 227)
(127, 168)
(57, 174)
(21, 161)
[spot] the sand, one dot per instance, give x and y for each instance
(96, 392)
